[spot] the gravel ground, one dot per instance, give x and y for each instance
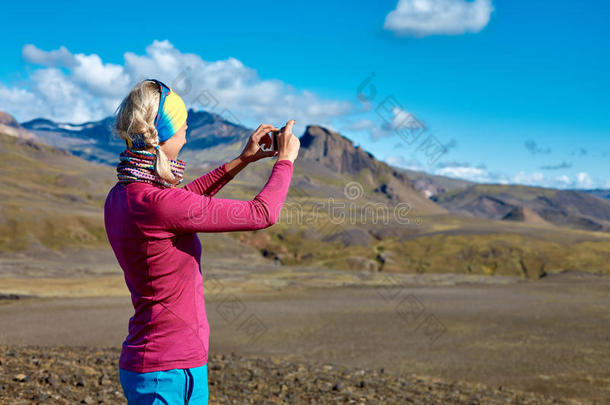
(546, 338)
(69, 375)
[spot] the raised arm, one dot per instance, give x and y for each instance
(210, 183)
(182, 211)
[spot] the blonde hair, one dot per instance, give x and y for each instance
(135, 121)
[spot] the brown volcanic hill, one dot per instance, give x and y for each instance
(335, 151)
(323, 150)
(10, 126)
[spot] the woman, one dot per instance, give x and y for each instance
(152, 227)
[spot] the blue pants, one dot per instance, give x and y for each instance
(178, 386)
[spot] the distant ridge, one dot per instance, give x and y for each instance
(575, 209)
(96, 142)
(599, 192)
(92, 141)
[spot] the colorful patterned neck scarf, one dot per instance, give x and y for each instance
(139, 165)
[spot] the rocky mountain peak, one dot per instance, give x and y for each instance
(335, 151)
(8, 120)
(10, 126)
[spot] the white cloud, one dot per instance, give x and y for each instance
(482, 175)
(531, 179)
(393, 121)
(58, 57)
(563, 180)
(583, 180)
(361, 125)
(477, 174)
(428, 17)
(101, 79)
(77, 87)
(369, 127)
(400, 161)
(403, 119)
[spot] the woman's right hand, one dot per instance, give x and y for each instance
(288, 144)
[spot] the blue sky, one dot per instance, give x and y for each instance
(516, 91)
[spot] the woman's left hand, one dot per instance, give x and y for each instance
(253, 152)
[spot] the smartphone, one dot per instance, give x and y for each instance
(275, 140)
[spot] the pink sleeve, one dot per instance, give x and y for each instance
(210, 183)
(183, 211)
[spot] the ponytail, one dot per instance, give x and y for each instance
(162, 166)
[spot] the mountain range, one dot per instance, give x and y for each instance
(54, 170)
(95, 141)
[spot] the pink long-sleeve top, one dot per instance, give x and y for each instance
(153, 232)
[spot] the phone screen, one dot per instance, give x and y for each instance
(275, 143)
